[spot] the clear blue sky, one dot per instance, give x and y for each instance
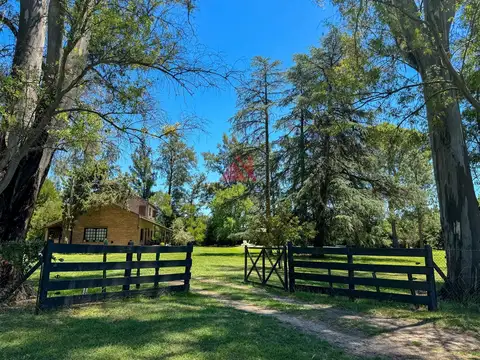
(239, 30)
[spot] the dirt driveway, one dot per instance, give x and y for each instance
(398, 338)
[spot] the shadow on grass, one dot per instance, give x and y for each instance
(184, 326)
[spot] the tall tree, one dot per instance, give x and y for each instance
(256, 99)
(176, 163)
(420, 34)
(81, 56)
(142, 172)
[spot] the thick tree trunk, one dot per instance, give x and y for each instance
(18, 200)
(459, 212)
(393, 224)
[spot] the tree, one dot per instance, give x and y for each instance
(142, 173)
(82, 57)
(176, 162)
(230, 210)
(402, 156)
(48, 209)
(256, 99)
(419, 35)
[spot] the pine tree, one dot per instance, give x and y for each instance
(256, 99)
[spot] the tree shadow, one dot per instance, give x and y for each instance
(184, 325)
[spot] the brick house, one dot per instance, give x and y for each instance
(117, 224)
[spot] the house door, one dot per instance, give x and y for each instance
(142, 236)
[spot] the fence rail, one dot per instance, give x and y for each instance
(48, 284)
(308, 265)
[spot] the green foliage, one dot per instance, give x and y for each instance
(142, 173)
(176, 163)
(164, 202)
(230, 210)
(180, 235)
(195, 224)
(47, 210)
(285, 226)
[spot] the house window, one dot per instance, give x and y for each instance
(95, 234)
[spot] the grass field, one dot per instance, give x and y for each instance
(191, 326)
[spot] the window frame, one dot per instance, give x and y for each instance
(97, 231)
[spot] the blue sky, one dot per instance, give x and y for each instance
(239, 30)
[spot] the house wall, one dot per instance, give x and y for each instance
(122, 225)
(147, 225)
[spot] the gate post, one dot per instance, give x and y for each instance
(285, 273)
(263, 266)
(44, 276)
(291, 269)
(432, 291)
(245, 266)
(128, 272)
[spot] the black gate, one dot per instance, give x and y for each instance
(118, 286)
(265, 270)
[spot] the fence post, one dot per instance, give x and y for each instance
(157, 268)
(246, 264)
(188, 257)
(285, 273)
(104, 276)
(351, 273)
(44, 275)
(139, 257)
(432, 291)
(263, 266)
(128, 272)
(291, 269)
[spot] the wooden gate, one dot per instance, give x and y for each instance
(98, 282)
(279, 266)
(357, 279)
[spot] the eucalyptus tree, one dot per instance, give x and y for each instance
(253, 122)
(82, 57)
(419, 35)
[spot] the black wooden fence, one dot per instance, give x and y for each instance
(47, 284)
(334, 271)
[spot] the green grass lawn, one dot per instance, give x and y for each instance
(190, 326)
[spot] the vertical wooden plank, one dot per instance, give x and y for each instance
(412, 291)
(245, 264)
(104, 289)
(374, 275)
(128, 272)
(291, 268)
(351, 273)
(44, 276)
(285, 273)
(330, 282)
(432, 291)
(188, 267)
(157, 269)
(139, 257)
(263, 266)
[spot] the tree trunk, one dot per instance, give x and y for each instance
(267, 160)
(18, 199)
(420, 228)
(395, 243)
(459, 212)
